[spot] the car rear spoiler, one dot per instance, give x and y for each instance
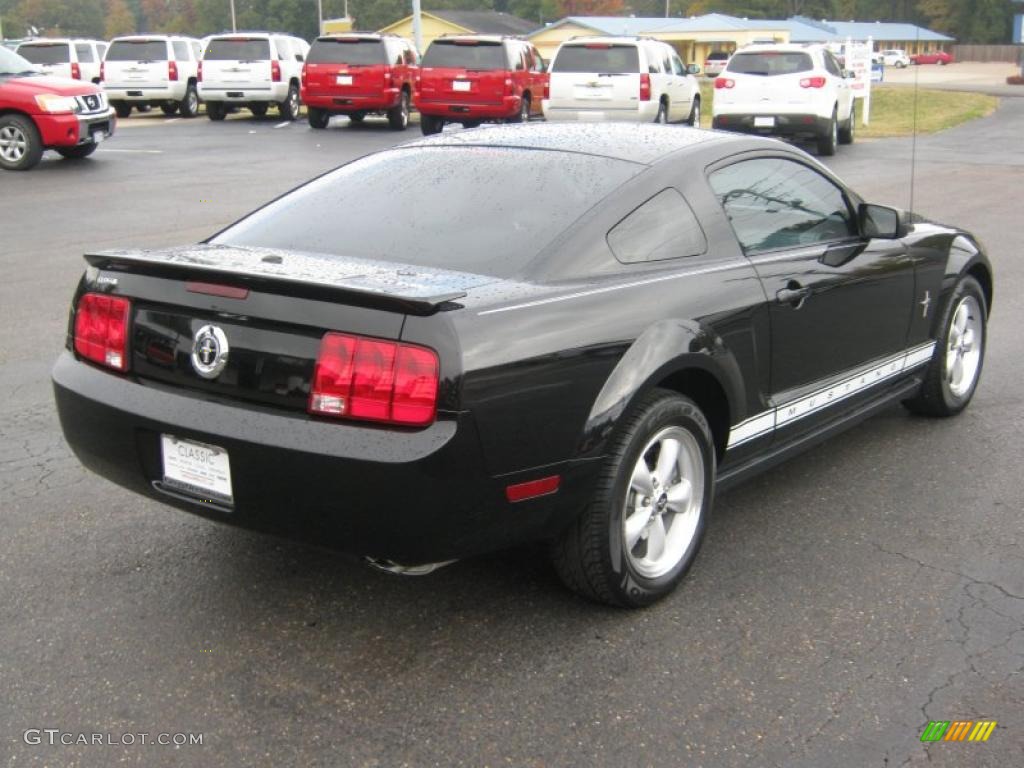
(379, 284)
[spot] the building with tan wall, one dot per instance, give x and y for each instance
(435, 24)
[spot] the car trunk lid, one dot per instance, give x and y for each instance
(237, 62)
(347, 66)
(596, 76)
(272, 307)
(468, 71)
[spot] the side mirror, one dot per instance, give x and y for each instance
(693, 69)
(882, 222)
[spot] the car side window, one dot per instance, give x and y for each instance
(84, 52)
(677, 65)
(538, 61)
(832, 65)
(666, 62)
(773, 203)
(662, 228)
(284, 48)
(197, 49)
(180, 50)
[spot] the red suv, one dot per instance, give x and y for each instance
(470, 79)
(357, 75)
(38, 112)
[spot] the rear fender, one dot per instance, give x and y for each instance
(666, 348)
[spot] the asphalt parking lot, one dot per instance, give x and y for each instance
(839, 603)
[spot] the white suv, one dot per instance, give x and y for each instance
(621, 78)
(786, 90)
(254, 70)
(895, 57)
(64, 57)
(152, 71)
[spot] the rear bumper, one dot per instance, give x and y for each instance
(146, 93)
(457, 110)
(644, 112)
(412, 497)
(345, 103)
(782, 125)
(242, 94)
(72, 130)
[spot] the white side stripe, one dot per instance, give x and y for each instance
(768, 421)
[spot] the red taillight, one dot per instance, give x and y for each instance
(199, 72)
(645, 87)
(76, 71)
(374, 380)
(172, 70)
(533, 488)
(275, 71)
(510, 87)
(101, 330)
(103, 71)
(812, 82)
(724, 82)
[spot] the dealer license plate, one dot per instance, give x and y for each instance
(460, 85)
(197, 469)
(344, 79)
(764, 122)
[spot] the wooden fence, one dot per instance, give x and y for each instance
(1008, 53)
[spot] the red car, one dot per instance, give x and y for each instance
(471, 79)
(358, 75)
(38, 112)
(932, 57)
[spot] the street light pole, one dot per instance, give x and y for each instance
(234, 27)
(319, 17)
(417, 25)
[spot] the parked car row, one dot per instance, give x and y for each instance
(781, 90)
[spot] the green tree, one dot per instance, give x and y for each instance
(119, 20)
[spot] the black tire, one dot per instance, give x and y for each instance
(694, 118)
(216, 111)
(318, 118)
(258, 108)
(524, 111)
(398, 118)
(430, 124)
(936, 396)
(591, 556)
(143, 108)
(827, 141)
(21, 148)
(289, 108)
(77, 153)
(123, 109)
(847, 129)
(188, 107)
(357, 117)
(662, 116)
(169, 109)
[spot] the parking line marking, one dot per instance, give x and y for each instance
(136, 151)
(283, 125)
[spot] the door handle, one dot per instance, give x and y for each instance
(793, 294)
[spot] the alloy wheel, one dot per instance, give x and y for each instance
(963, 347)
(13, 143)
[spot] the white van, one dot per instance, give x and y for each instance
(622, 78)
(253, 70)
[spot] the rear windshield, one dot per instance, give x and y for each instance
(444, 207)
(770, 63)
(718, 56)
(347, 51)
(137, 50)
(476, 54)
(599, 58)
(46, 53)
(248, 49)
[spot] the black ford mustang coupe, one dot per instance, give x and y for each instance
(572, 334)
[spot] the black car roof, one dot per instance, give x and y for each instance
(637, 143)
